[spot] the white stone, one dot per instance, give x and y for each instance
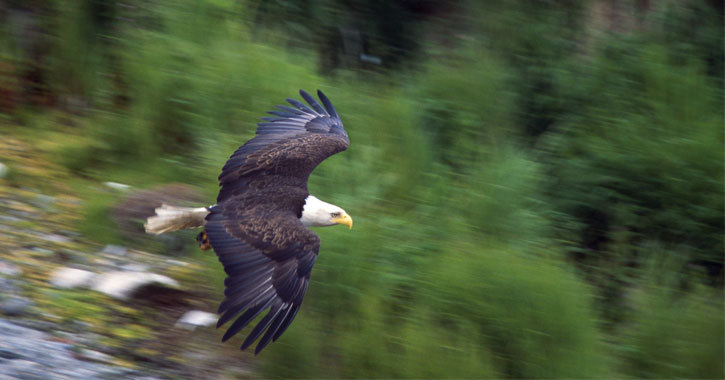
(122, 285)
(71, 278)
(117, 186)
(10, 270)
(196, 318)
(55, 238)
(95, 356)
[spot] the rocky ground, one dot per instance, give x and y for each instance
(66, 311)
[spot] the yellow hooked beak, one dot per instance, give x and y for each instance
(344, 219)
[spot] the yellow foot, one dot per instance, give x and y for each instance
(203, 241)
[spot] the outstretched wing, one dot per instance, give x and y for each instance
(266, 269)
(255, 229)
(291, 143)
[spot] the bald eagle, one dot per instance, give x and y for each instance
(258, 227)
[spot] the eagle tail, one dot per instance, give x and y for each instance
(171, 218)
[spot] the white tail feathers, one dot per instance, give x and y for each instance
(171, 218)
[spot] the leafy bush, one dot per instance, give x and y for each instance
(642, 159)
(469, 312)
(694, 321)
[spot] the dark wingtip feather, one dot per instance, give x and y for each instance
(309, 99)
(293, 313)
(245, 318)
(328, 104)
(284, 324)
(224, 318)
(290, 109)
(274, 326)
(222, 307)
(301, 106)
(261, 326)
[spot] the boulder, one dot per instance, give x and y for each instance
(196, 318)
(71, 278)
(123, 285)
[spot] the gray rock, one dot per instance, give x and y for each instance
(8, 286)
(27, 370)
(85, 339)
(15, 305)
(38, 325)
(95, 356)
(9, 219)
(115, 250)
(21, 346)
(27, 354)
(55, 238)
(134, 267)
(22, 214)
(9, 269)
(43, 251)
(44, 201)
(10, 355)
(12, 330)
(45, 352)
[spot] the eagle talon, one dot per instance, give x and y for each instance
(203, 241)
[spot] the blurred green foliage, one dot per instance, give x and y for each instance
(537, 187)
(689, 317)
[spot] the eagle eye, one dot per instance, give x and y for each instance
(335, 214)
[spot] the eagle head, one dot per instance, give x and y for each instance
(317, 213)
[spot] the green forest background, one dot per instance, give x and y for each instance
(537, 186)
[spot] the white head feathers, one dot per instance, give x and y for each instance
(317, 213)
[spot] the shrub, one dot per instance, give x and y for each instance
(674, 333)
(641, 161)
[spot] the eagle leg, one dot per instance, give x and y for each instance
(203, 241)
